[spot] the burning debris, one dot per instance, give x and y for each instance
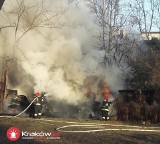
(54, 108)
(131, 105)
(14, 103)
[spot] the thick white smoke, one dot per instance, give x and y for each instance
(57, 60)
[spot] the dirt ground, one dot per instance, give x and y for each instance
(77, 131)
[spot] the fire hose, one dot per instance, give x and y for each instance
(110, 115)
(98, 127)
(26, 108)
(23, 110)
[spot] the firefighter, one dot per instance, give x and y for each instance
(105, 103)
(105, 109)
(43, 101)
(38, 105)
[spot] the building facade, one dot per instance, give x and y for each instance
(150, 35)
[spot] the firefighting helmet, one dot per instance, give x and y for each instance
(37, 94)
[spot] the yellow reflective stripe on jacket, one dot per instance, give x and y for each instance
(105, 109)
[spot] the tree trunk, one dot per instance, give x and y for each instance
(3, 88)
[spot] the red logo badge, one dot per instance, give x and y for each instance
(13, 133)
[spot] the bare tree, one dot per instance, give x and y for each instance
(144, 71)
(145, 18)
(145, 15)
(24, 18)
(157, 15)
(6, 64)
(111, 20)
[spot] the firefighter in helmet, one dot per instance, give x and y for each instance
(38, 104)
(105, 103)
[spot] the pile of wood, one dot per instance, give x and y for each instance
(138, 106)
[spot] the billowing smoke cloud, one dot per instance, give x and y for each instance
(62, 61)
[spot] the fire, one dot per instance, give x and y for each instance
(105, 91)
(102, 88)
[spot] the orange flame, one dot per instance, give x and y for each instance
(105, 91)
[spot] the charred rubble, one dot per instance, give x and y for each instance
(20, 103)
(14, 103)
(55, 108)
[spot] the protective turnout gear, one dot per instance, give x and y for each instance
(105, 109)
(38, 105)
(105, 105)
